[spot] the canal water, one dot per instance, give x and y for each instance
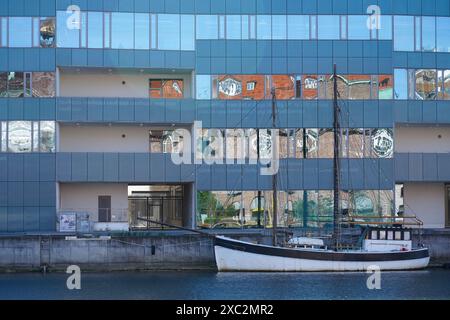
(426, 284)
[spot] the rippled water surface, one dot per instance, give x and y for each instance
(426, 284)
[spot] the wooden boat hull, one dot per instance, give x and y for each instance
(234, 255)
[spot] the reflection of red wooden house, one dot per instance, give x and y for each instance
(166, 88)
(252, 87)
(310, 84)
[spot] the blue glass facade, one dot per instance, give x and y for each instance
(210, 39)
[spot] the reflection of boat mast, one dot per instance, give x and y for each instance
(274, 175)
(336, 163)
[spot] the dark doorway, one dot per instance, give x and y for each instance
(104, 208)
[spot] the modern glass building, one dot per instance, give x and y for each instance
(99, 98)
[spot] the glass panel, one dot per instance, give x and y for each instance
(203, 85)
(444, 84)
(207, 28)
(221, 27)
(36, 32)
(443, 34)
(385, 87)
(27, 84)
(235, 144)
(47, 32)
(234, 27)
(363, 203)
(252, 27)
(35, 134)
(429, 34)
(326, 143)
(284, 85)
(20, 34)
(187, 32)
(95, 29)
(344, 24)
(359, 86)
(141, 31)
(310, 85)
(153, 31)
(245, 28)
(418, 33)
(3, 84)
(168, 32)
(68, 29)
(342, 86)
(328, 27)
(382, 143)
(122, 30)
(325, 210)
(312, 143)
(4, 31)
(386, 203)
(264, 27)
(279, 27)
(3, 139)
(283, 143)
(313, 27)
(15, 84)
(356, 143)
(357, 28)
(83, 39)
(385, 31)
(19, 136)
(425, 84)
(107, 26)
(403, 33)
(43, 84)
(166, 88)
(235, 87)
(400, 84)
(265, 143)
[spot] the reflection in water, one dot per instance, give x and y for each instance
(427, 284)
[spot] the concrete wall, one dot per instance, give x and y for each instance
(422, 139)
(90, 83)
(427, 202)
(84, 197)
(103, 139)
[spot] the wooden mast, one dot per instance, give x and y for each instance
(336, 164)
(274, 176)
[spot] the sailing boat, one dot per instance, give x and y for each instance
(388, 247)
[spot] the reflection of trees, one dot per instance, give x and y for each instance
(207, 203)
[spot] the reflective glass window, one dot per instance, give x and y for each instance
(310, 86)
(236, 87)
(68, 29)
(313, 27)
(95, 29)
(4, 31)
(385, 31)
(19, 136)
(15, 84)
(187, 32)
(298, 27)
(382, 143)
(153, 31)
(83, 31)
(3, 135)
(311, 139)
(284, 86)
(207, 27)
(403, 33)
(264, 27)
(252, 27)
(107, 27)
(3, 84)
(43, 84)
(355, 143)
(234, 27)
(20, 34)
(122, 31)
(47, 32)
(279, 27)
(326, 143)
(418, 33)
(357, 28)
(328, 27)
(166, 88)
(221, 27)
(203, 87)
(425, 84)
(385, 87)
(344, 24)
(359, 86)
(444, 84)
(443, 34)
(400, 84)
(47, 136)
(429, 34)
(141, 31)
(244, 27)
